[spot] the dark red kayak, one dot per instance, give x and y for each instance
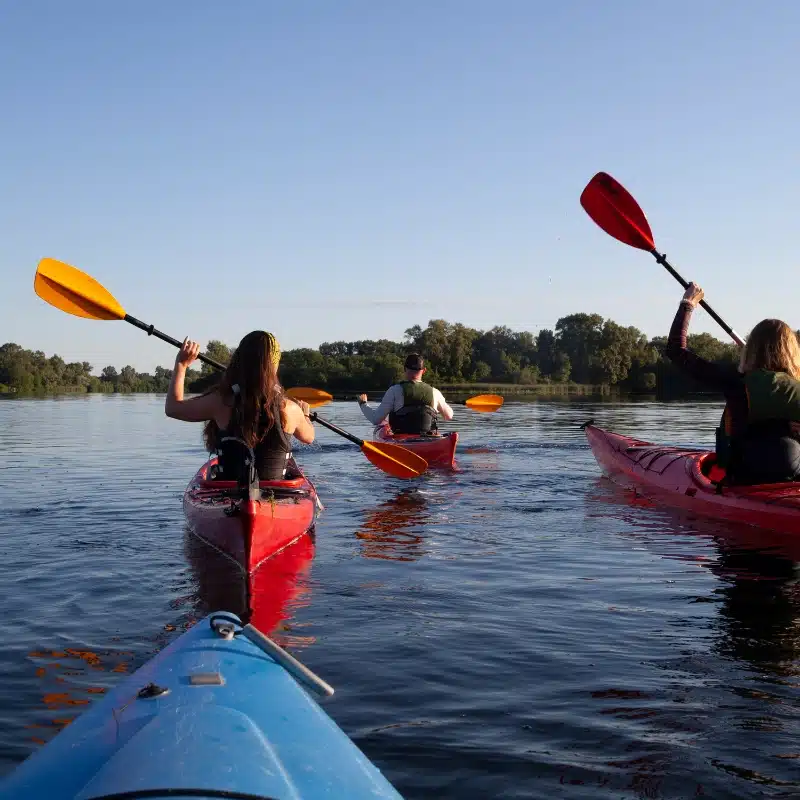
(688, 478)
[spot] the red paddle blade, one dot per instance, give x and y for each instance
(613, 208)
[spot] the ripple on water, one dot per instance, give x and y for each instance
(518, 628)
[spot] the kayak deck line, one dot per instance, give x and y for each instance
(225, 626)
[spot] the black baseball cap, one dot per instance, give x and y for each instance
(415, 362)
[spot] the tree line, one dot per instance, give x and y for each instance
(581, 349)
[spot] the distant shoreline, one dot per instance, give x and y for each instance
(456, 393)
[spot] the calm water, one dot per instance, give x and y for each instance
(519, 629)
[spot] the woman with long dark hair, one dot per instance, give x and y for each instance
(247, 411)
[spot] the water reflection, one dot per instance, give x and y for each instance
(394, 531)
(482, 459)
(759, 572)
(70, 679)
(277, 588)
(759, 617)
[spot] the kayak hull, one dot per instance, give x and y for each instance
(678, 477)
(245, 531)
(438, 451)
(224, 720)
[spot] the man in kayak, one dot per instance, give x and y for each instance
(758, 440)
(247, 413)
(411, 405)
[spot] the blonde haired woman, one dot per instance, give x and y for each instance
(758, 440)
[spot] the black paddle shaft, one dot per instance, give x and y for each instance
(662, 259)
(314, 417)
(151, 331)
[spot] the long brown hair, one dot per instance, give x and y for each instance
(250, 385)
(772, 345)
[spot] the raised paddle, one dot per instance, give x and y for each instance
(613, 208)
(77, 293)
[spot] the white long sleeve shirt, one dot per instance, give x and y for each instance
(393, 401)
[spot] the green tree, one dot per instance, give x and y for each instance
(579, 337)
(620, 349)
(547, 352)
(563, 369)
(218, 351)
(128, 379)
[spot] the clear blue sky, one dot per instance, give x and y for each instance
(344, 169)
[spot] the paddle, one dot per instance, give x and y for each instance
(77, 293)
(318, 397)
(484, 402)
(391, 458)
(613, 208)
(314, 397)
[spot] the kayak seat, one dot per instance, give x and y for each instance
(294, 483)
(294, 478)
(416, 437)
(713, 471)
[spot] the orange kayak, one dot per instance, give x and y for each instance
(438, 450)
(249, 532)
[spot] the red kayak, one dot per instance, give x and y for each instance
(438, 450)
(687, 478)
(249, 531)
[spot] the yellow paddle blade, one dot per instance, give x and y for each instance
(75, 292)
(314, 397)
(395, 460)
(484, 402)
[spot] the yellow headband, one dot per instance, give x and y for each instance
(274, 349)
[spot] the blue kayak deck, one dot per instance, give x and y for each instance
(231, 723)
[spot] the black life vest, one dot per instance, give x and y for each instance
(416, 416)
(272, 453)
(764, 445)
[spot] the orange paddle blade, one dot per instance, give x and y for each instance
(395, 460)
(75, 292)
(484, 402)
(314, 397)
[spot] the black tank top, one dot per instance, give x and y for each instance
(272, 452)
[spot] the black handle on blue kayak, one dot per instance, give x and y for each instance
(314, 417)
(151, 331)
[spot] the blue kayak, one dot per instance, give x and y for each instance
(212, 715)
